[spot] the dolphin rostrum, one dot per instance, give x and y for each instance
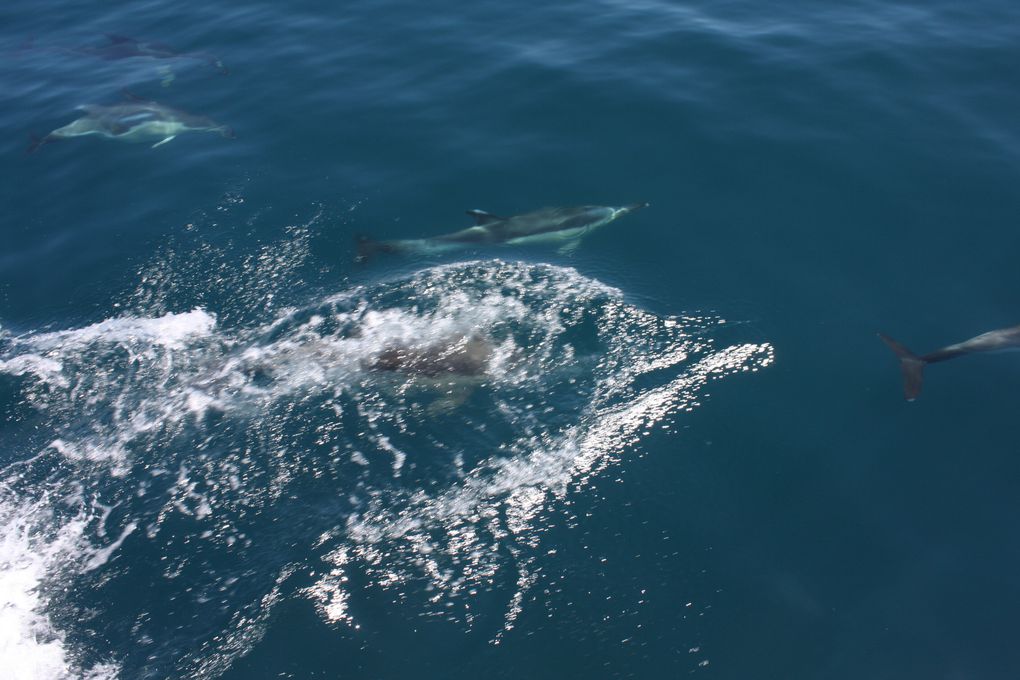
(564, 226)
(913, 365)
(137, 121)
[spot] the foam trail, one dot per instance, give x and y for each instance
(32, 364)
(32, 554)
(102, 555)
(452, 538)
(279, 447)
(169, 330)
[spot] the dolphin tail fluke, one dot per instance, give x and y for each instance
(911, 365)
(35, 142)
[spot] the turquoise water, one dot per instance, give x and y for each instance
(687, 453)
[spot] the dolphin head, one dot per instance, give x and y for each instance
(225, 131)
(617, 213)
(86, 125)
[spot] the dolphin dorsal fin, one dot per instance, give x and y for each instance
(483, 218)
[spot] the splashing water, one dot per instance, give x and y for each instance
(172, 480)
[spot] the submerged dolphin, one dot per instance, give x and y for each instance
(565, 226)
(913, 365)
(464, 356)
(122, 47)
(133, 122)
(449, 369)
(119, 48)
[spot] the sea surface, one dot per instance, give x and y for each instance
(687, 454)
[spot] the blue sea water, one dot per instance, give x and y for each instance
(688, 453)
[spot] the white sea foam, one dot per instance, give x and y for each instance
(39, 545)
(101, 556)
(35, 548)
(575, 377)
(41, 367)
(452, 537)
(169, 330)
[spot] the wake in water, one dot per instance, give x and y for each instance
(171, 480)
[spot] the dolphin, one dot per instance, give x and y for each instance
(913, 365)
(564, 226)
(122, 47)
(458, 356)
(133, 122)
(448, 369)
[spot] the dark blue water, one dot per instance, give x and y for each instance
(687, 452)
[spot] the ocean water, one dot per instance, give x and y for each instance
(687, 453)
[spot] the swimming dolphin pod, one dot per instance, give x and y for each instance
(913, 365)
(563, 226)
(136, 121)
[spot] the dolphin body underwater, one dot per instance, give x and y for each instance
(439, 374)
(446, 372)
(563, 226)
(463, 356)
(912, 365)
(119, 47)
(133, 122)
